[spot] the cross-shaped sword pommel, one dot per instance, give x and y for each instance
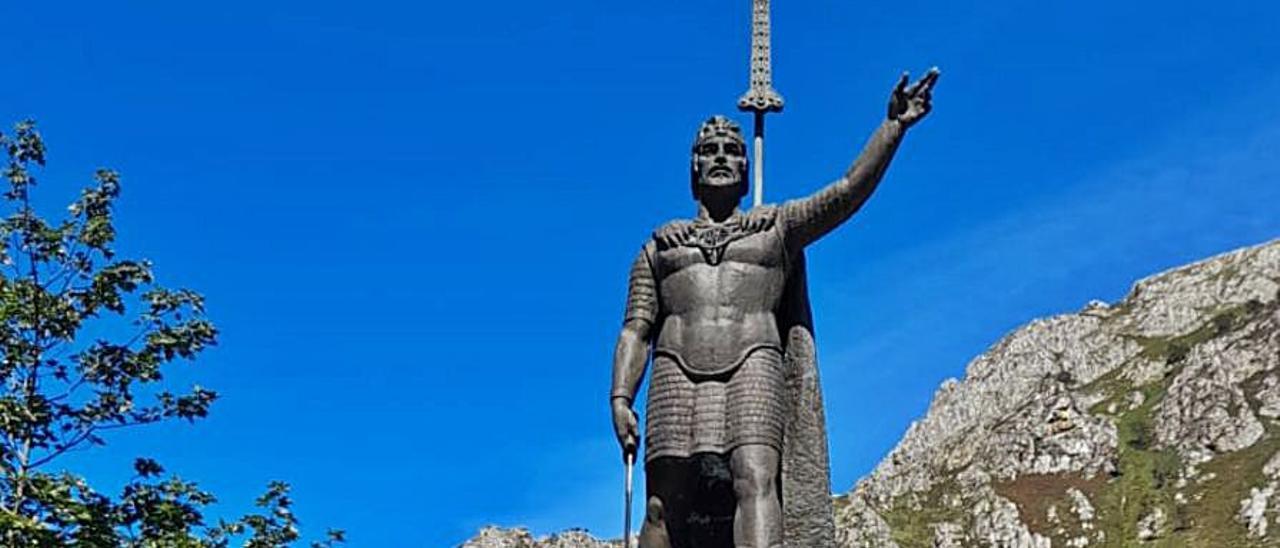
(761, 98)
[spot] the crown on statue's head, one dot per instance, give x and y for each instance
(718, 126)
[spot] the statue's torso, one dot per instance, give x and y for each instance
(717, 310)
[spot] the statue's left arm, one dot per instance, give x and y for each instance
(808, 219)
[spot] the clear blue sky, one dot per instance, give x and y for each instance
(413, 222)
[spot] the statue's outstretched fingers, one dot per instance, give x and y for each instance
(915, 87)
(922, 86)
(901, 87)
(931, 78)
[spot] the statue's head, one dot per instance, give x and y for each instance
(719, 157)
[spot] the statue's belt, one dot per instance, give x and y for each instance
(700, 370)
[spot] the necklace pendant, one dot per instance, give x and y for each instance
(713, 255)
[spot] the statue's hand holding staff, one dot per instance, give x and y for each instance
(909, 104)
(626, 426)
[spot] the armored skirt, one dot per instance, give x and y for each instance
(689, 414)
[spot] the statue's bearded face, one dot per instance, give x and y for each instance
(720, 163)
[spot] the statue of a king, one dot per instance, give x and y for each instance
(718, 304)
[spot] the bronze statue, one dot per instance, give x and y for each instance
(720, 304)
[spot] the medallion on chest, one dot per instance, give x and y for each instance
(712, 238)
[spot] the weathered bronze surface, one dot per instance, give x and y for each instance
(735, 442)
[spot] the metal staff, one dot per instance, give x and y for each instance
(626, 519)
(761, 98)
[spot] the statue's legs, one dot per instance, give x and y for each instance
(667, 489)
(757, 523)
(713, 450)
(653, 533)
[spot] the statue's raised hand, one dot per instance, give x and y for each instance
(909, 104)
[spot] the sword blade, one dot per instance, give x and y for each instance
(760, 96)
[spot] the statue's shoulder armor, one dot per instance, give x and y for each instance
(763, 217)
(690, 232)
(671, 233)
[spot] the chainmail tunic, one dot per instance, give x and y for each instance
(714, 415)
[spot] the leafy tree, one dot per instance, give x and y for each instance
(60, 392)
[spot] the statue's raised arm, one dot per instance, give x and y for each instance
(811, 217)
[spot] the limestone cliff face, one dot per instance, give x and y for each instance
(494, 537)
(1151, 421)
(1148, 421)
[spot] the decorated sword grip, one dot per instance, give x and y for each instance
(761, 97)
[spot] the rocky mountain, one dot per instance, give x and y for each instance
(1154, 421)
(495, 537)
(1151, 421)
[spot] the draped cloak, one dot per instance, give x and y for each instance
(806, 472)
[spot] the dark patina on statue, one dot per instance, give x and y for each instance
(735, 442)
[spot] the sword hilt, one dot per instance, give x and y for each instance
(760, 100)
(761, 97)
